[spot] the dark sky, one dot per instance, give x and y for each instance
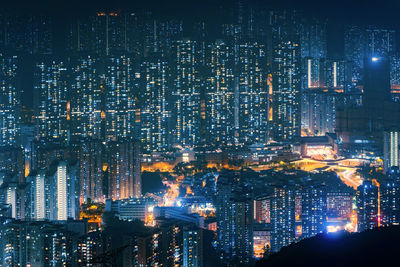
(384, 12)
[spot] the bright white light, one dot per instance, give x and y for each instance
(374, 59)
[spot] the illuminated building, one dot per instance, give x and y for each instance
(242, 225)
(124, 173)
(235, 215)
(36, 196)
(335, 74)
(12, 161)
(324, 82)
(58, 202)
(10, 195)
(171, 242)
(166, 245)
(367, 206)
(313, 210)
(313, 39)
(193, 247)
(149, 250)
(10, 102)
(155, 111)
(286, 78)
(219, 106)
(223, 213)
(186, 94)
(90, 246)
(51, 92)
(282, 218)
(38, 243)
(119, 98)
(91, 175)
(262, 210)
(390, 202)
(21, 243)
(86, 104)
(339, 204)
(62, 200)
(319, 111)
(58, 247)
(132, 209)
(253, 93)
(391, 149)
(395, 76)
(314, 71)
(381, 42)
(355, 42)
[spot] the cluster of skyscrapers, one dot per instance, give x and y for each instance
(42, 243)
(286, 206)
(83, 106)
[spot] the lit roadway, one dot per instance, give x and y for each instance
(350, 178)
(345, 168)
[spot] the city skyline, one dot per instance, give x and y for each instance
(194, 134)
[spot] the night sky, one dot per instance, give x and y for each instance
(384, 12)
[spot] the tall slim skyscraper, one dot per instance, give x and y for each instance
(242, 225)
(91, 158)
(220, 95)
(286, 77)
(124, 174)
(154, 102)
(186, 93)
(51, 100)
(313, 210)
(355, 50)
(86, 104)
(390, 202)
(36, 194)
(367, 206)
(391, 149)
(61, 198)
(62, 192)
(10, 101)
(319, 111)
(235, 214)
(253, 93)
(282, 218)
(193, 247)
(119, 98)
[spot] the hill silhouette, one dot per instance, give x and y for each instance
(377, 247)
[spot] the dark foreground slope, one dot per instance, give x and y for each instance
(378, 247)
